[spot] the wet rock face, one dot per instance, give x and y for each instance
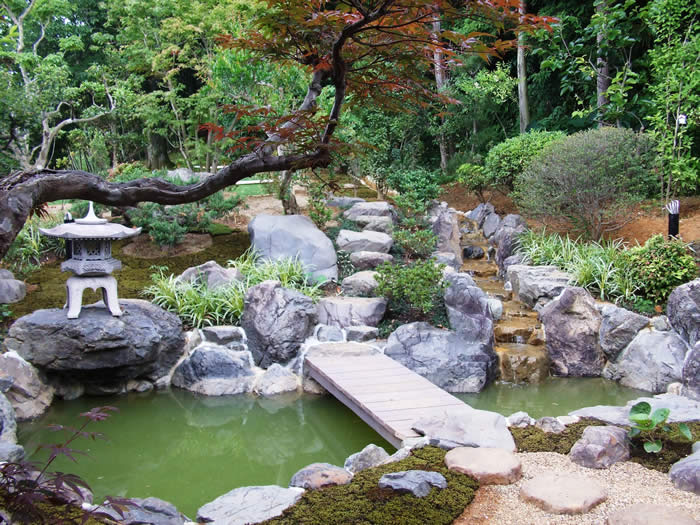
(277, 321)
(572, 323)
(99, 349)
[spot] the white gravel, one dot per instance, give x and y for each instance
(626, 484)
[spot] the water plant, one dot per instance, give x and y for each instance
(646, 424)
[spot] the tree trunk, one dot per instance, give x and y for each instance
(523, 102)
(286, 193)
(602, 70)
(158, 152)
(440, 81)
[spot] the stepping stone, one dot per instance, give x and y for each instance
(319, 475)
(561, 494)
(489, 466)
(650, 514)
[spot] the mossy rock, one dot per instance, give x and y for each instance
(216, 228)
(49, 283)
(363, 502)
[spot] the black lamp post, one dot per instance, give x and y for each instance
(673, 209)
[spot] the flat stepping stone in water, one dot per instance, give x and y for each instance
(560, 494)
(249, 505)
(650, 514)
(489, 466)
(416, 482)
(318, 475)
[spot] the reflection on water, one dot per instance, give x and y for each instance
(190, 449)
(556, 396)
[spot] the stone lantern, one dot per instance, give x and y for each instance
(91, 259)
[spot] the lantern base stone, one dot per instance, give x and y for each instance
(75, 286)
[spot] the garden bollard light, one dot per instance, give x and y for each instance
(673, 209)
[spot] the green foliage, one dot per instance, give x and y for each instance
(30, 246)
(417, 184)
(415, 291)
(660, 266)
(345, 266)
(639, 277)
(646, 423)
(414, 239)
(319, 213)
(511, 157)
(363, 502)
(474, 178)
(589, 178)
(198, 305)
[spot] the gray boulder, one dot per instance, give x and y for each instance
(249, 505)
(211, 274)
(376, 209)
(415, 482)
(479, 214)
(617, 329)
(8, 423)
(329, 334)
(374, 223)
(319, 475)
(508, 262)
(506, 239)
(148, 511)
(12, 290)
(11, 452)
(448, 359)
(370, 456)
(550, 425)
(445, 226)
(369, 260)
(343, 202)
(276, 380)
(683, 310)
(351, 311)
(571, 325)
(364, 241)
(652, 361)
(690, 375)
(532, 284)
(231, 336)
(361, 334)
(466, 427)
(468, 309)
(99, 349)
(215, 370)
(520, 420)
(601, 447)
(360, 284)
(280, 236)
(449, 259)
(277, 321)
(491, 223)
(685, 474)
(29, 395)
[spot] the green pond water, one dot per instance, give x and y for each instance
(190, 449)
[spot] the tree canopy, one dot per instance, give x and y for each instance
(366, 52)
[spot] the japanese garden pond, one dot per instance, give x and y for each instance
(190, 449)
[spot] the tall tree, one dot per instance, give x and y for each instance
(365, 50)
(523, 102)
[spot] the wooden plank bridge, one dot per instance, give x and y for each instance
(382, 392)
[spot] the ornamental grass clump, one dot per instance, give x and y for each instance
(198, 305)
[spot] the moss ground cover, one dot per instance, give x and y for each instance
(675, 446)
(135, 274)
(363, 502)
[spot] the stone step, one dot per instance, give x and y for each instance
(514, 330)
(522, 363)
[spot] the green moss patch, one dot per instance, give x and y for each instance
(675, 446)
(363, 502)
(532, 439)
(48, 284)
(216, 228)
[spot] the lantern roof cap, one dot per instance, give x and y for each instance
(91, 227)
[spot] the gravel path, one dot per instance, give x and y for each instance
(626, 483)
